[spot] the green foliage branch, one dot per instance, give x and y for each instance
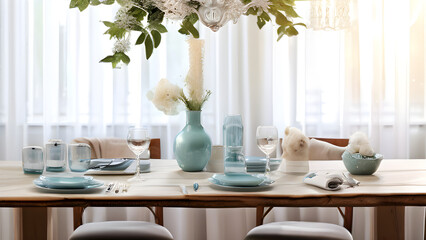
(149, 22)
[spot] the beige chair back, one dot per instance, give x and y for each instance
(117, 147)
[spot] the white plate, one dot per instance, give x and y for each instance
(262, 186)
(93, 187)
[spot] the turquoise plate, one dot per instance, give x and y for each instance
(265, 184)
(66, 182)
(238, 180)
(94, 187)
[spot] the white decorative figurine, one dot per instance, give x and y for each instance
(359, 143)
(295, 145)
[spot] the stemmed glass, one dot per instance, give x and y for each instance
(267, 139)
(138, 141)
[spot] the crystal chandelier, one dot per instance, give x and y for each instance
(329, 14)
(216, 13)
(212, 13)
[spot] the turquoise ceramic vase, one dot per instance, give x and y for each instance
(192, 145)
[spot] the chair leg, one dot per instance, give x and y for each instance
(259, 215)
(347, 220)
(159, 216)
(78, 216)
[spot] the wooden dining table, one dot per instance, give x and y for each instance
(397, 183)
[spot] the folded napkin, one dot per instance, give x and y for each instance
(255, 161)
(325, 180)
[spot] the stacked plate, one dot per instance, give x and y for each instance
(255, 164)
(258, 164)
(241, 181)
(67, 182)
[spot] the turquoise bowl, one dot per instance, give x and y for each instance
(358, 164)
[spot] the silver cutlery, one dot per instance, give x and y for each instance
(351, 181)
(110, 187)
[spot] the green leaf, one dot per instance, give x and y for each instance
(281, 32)
(123, 57)
(116, 59)
(291, 31)
(156, 16)
(290, 12)
(265, 16)
(121, 2)
(260, 22)
(300, 24)
(159, 27)
(156, 36)
(108, 24)
(80, 4)
(95, 2)
(183, 31)
(109, 58)
(283, 2)
(138, 13)
(135, 27)
(108, 2)
(141, 38)
(188, 26)
(280, 19)
(116, 32)
(148, 46)
(251, 11)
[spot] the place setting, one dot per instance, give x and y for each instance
(62, 171)
(246, 173)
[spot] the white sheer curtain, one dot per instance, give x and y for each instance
(369, 77)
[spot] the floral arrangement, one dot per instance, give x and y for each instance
(167, 97)
(146, 18)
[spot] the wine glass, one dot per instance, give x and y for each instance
(138, 141)
(267, 139)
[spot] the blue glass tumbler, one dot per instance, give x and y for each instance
(233, 144)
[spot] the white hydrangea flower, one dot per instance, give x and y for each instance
(121, 45)
(175, 9)
(166, 97)
(123, 19)
(233, 9)
(260, 4)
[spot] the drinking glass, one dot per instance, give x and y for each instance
(138, 141)
(267, 139)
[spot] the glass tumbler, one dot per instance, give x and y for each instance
(32, 160)
(234, 160)
(79, 155)
(56, 153)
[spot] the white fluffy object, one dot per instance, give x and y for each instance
(295, 145)
(359, 143)
(320, 150)
(166, 97)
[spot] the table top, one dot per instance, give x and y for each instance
(397, 182)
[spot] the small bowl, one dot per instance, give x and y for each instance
(358, 164)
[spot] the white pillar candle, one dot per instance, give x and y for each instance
(194, 79)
